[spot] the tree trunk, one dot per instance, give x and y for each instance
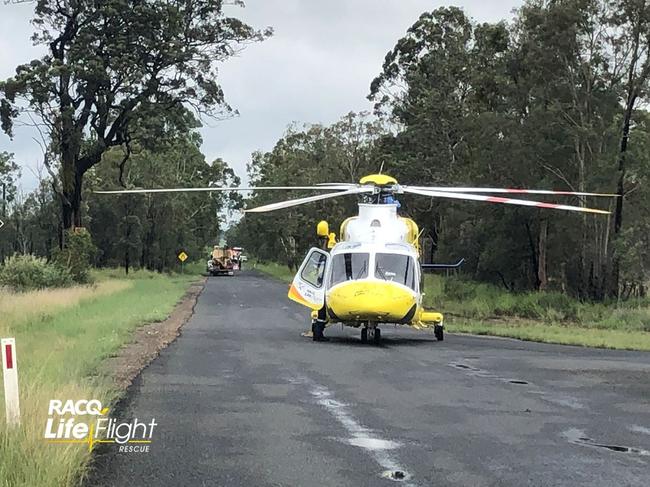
(542, 277)
(618, 212)
(71, 204)
(127, 236)
(634, 83)
(580, 154)
(612, 285)
(534, 260)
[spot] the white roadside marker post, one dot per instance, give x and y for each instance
(10, 374)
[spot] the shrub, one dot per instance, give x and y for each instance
(25, 272)
(77, 255)
(459, 289)
(458, 296)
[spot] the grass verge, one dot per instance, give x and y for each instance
(553, 333)
(550, 317)
(279, 271)
(62, 338)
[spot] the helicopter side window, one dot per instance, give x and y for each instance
(314, 269)
(397, 268)
(349, 266)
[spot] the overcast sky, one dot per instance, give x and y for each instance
(317, 67)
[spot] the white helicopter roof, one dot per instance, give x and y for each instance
(376, 223)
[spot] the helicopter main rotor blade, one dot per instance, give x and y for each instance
(347, 185)
(215, 188)
(506, 191)
(497, 199)
(301, 201)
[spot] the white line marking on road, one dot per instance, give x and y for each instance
(373, 443)
(360, 436)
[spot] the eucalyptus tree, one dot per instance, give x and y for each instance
(341, 152)
(148, 230)
(550, 100)
(108, 66)
(8, 175)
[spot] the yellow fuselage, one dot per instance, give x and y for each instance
(371, 276)
(372, 300)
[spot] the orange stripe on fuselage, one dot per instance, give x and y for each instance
(295, 296)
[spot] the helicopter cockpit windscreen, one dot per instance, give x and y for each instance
(349, 266)
(397, 268)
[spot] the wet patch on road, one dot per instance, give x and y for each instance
(553, 398)
(476, 372)
(578, 437)
(564, 401)
(463, 366)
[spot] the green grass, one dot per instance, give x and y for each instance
(190, 269)
(551, 317)
(553, 333)
(279, 271)
(468, 299)
(62, 341)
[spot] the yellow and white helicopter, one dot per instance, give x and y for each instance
(372, 275)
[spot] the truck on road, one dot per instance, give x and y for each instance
(223, 261)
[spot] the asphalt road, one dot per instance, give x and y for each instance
(241, 399)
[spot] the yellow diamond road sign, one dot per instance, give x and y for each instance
(182, 256)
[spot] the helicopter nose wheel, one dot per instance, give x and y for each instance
(377, 336)
(317, 329)
(370, 331)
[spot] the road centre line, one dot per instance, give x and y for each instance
(360, 436)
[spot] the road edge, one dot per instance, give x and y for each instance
(150, 339)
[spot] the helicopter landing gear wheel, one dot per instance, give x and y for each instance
(377, 336)
(370, 332)
(318, 327)
(439, 332)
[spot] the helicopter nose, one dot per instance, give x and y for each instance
(377, 301)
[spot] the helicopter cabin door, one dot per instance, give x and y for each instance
(308, 287)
